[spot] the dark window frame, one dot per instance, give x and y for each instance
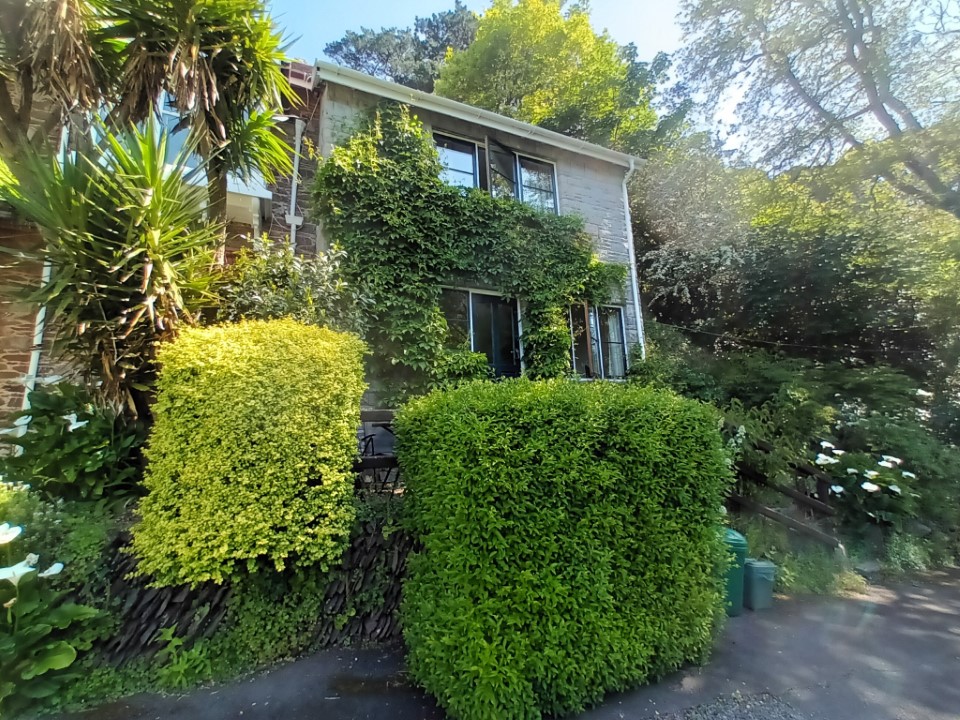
(597, 360)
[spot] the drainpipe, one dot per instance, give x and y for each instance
(632, 251)
(33, 370)
(292, 218)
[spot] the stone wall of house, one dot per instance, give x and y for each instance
(17, 318)
(590, 188)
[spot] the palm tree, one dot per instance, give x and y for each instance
(130, 250)
(218, 62)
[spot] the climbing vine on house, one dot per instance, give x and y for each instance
(407, 234)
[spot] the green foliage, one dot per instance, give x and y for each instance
(130, 253)
(181, 668)
(406, 234)
(74, 448)
(250, 456)
(536, 62)
(39, 636)
(410, 56)
(570, 541)
(78, 533)
(272, 282)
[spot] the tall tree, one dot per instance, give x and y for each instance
(875, 83)
(410, 56)
(536, 62)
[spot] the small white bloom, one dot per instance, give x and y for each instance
(837, 489)
(15, 572)
(869, 486)
(54, 569)
(74, 424)
(852, 471)
(825, 445)
(22, 420)
(884, 463)
(909, 475)
(892, 459)
(32, 559)
(871, 473)
(924, 394)
(825, 460)
(838, 452)
(9, 534)
(9, 603)
(895, 489)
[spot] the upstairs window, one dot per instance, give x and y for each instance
(460, 160)
(537, 184)
(598, 344)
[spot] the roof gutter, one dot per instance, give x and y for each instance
(632, 252)
(461, 111)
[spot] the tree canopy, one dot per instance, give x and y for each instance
(410, 56)
(873, 84)
(534, 61)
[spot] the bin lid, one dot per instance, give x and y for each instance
(734, 539)
(760, 564)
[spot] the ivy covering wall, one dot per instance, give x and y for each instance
(407, 234)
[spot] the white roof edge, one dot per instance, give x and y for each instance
(445, 106)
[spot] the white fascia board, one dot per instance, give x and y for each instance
(328, 72)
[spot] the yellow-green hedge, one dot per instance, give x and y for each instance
(249, 458)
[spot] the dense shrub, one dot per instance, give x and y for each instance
(250, 455)
(75, 448)
(570, 541)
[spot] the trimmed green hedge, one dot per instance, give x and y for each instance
(570, 542)
(250, 455)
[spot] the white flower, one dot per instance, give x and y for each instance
(909, 475)
(837, 489)
(15, 572)
(9, 603)
(835, 451)
(9, 534)
(852, 471)
(924, 394)
(32, 559)
(72, 419)
(869, 486)
(891, 459)
(871, 473)
(824, 444)
(54, 569)
(825, 460)
(895, 489)
(884, 463)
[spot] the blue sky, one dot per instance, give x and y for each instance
(312, 23)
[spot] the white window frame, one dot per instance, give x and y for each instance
(471, 291)
(600, 361)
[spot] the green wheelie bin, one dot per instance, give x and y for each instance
(737, 547)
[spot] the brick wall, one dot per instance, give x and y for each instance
(16, 317)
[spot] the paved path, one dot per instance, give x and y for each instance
(891, 655)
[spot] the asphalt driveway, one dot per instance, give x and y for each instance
(893, 654)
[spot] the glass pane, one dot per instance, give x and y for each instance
(536, 179)
(483, 327)
(503, 173)
(455, 305)
(595, 344)
(458, 158)
(581, 350)
(505, 338)
(614, 347)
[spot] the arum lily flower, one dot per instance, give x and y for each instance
(924, 394)
(54, 569)
(852, 471)
(9, 603)
(884, 463)
(891, 459)
(909, 475)
(74, 424)
(826, 445)
(871, 473)
(15, 572)
(838, 452)
(869, 486)
(32, 559)
(836, 489)
(9, 534)
(825, 460)
(895, 489)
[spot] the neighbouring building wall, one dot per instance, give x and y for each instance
(590, 188)
(17, 318)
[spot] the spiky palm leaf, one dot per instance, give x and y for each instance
(131, 255)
